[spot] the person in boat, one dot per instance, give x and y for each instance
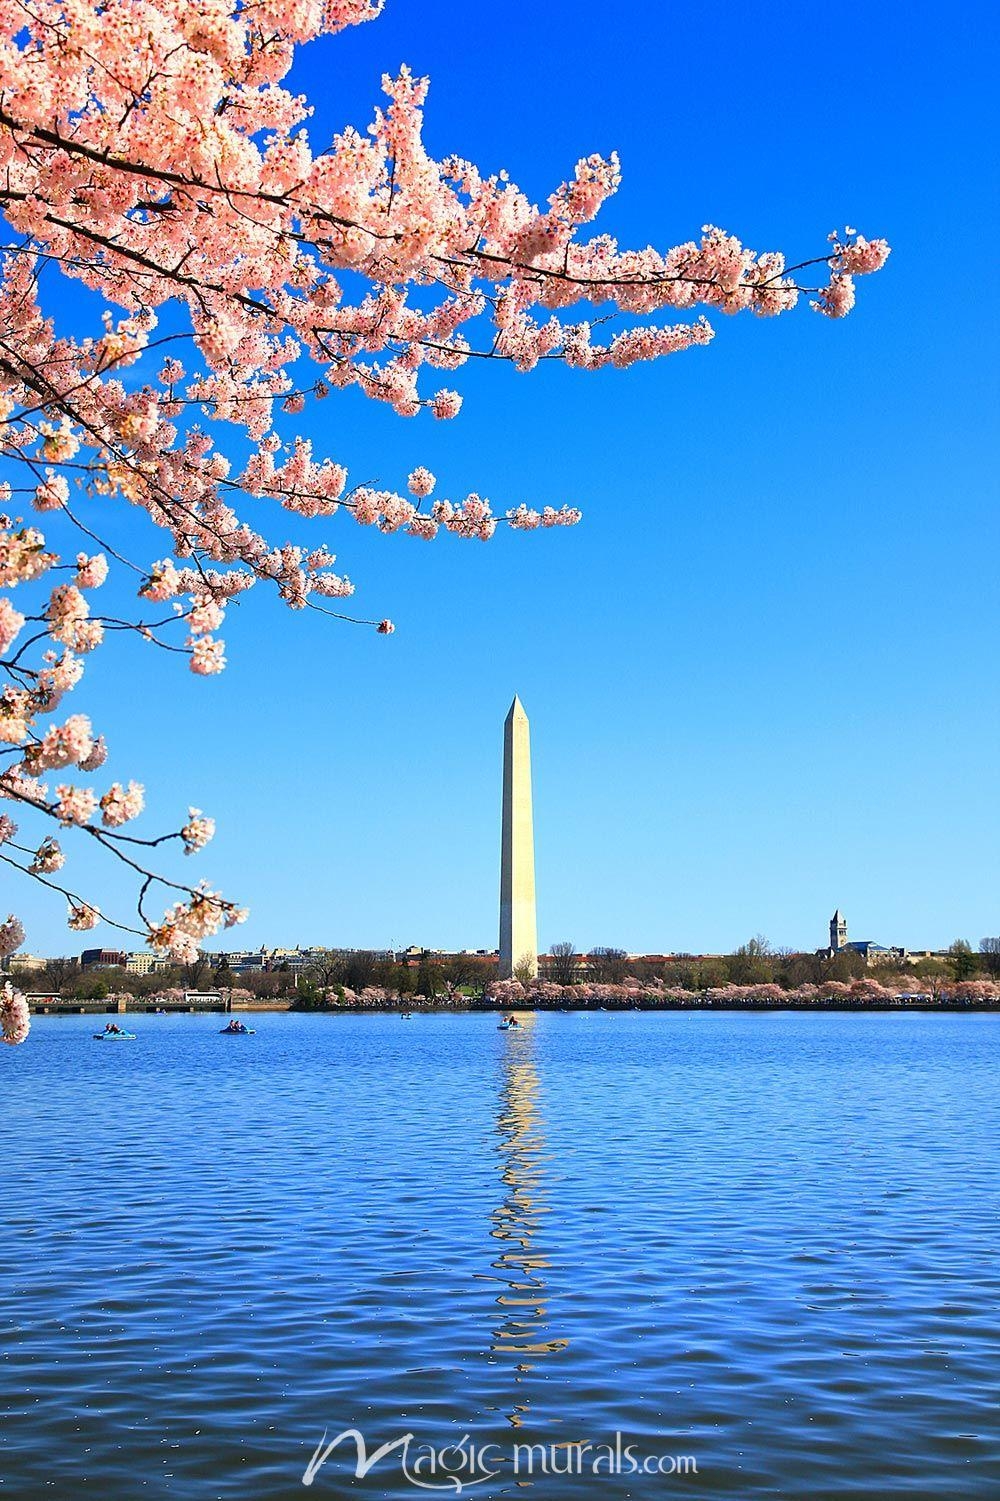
(235, 1026)
(112, 1027)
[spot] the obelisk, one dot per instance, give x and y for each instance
(518, 933)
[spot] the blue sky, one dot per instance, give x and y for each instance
(761, 675)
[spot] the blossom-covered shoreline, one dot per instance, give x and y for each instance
(545, 996)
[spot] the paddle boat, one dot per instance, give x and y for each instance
(114, 1034)
(237, 1029)
(509, 1024)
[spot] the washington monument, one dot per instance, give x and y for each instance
(518, 933)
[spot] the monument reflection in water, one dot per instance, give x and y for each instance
(522, 1330)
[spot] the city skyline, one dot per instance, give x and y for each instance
(288, 951)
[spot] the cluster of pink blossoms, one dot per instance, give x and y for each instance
(48, 858)
(69, 621)
(524, 519)
(852, 256)
(188, 923)
(197, 832)
(15, 1019)
(33, 693)
(75, 805)
(91, 572)
(11, 936)
(11, 623)
(120, 804)
(62, 745)
(82, 917)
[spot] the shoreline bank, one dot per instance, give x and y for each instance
(491, 1008)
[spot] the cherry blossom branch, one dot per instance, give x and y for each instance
(167, 169)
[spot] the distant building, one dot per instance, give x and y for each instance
(876, 953)
(871, 953)
(547, 963)
(244, 961)
(26, 963)
(103, 959)
(146, 964)
(263, 961)
(299, 960)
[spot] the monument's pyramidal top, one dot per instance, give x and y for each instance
(516, 710)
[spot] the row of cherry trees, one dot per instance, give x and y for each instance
(545, 994)
(152, 153)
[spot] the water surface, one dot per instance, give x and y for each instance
(769, 1242)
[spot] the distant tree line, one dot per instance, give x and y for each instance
(434, 976)
(756, 962)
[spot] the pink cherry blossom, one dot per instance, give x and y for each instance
(15, 715)
(48, 858)
(11, 936)
(837, 299)
(11, 622)
(186, 924)
(91, 572)
(97, 757)
(82, 917)
(22, 555)
(207, 656)
(120, 804)
(15, 1019)
(67, 611)
(197, 832)
(75, 804)
(858, 256)
(446, 404)
(53, 493)
(62, 745)
(206, 614)
(421, 482)
(163, 583)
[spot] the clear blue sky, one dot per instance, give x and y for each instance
(761, 675)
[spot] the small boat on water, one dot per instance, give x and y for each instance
(237, 1032)
(509, 1024)
(114, 1036)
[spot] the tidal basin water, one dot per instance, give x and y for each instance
(767, 1242)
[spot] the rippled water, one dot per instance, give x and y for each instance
(769, 1242)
